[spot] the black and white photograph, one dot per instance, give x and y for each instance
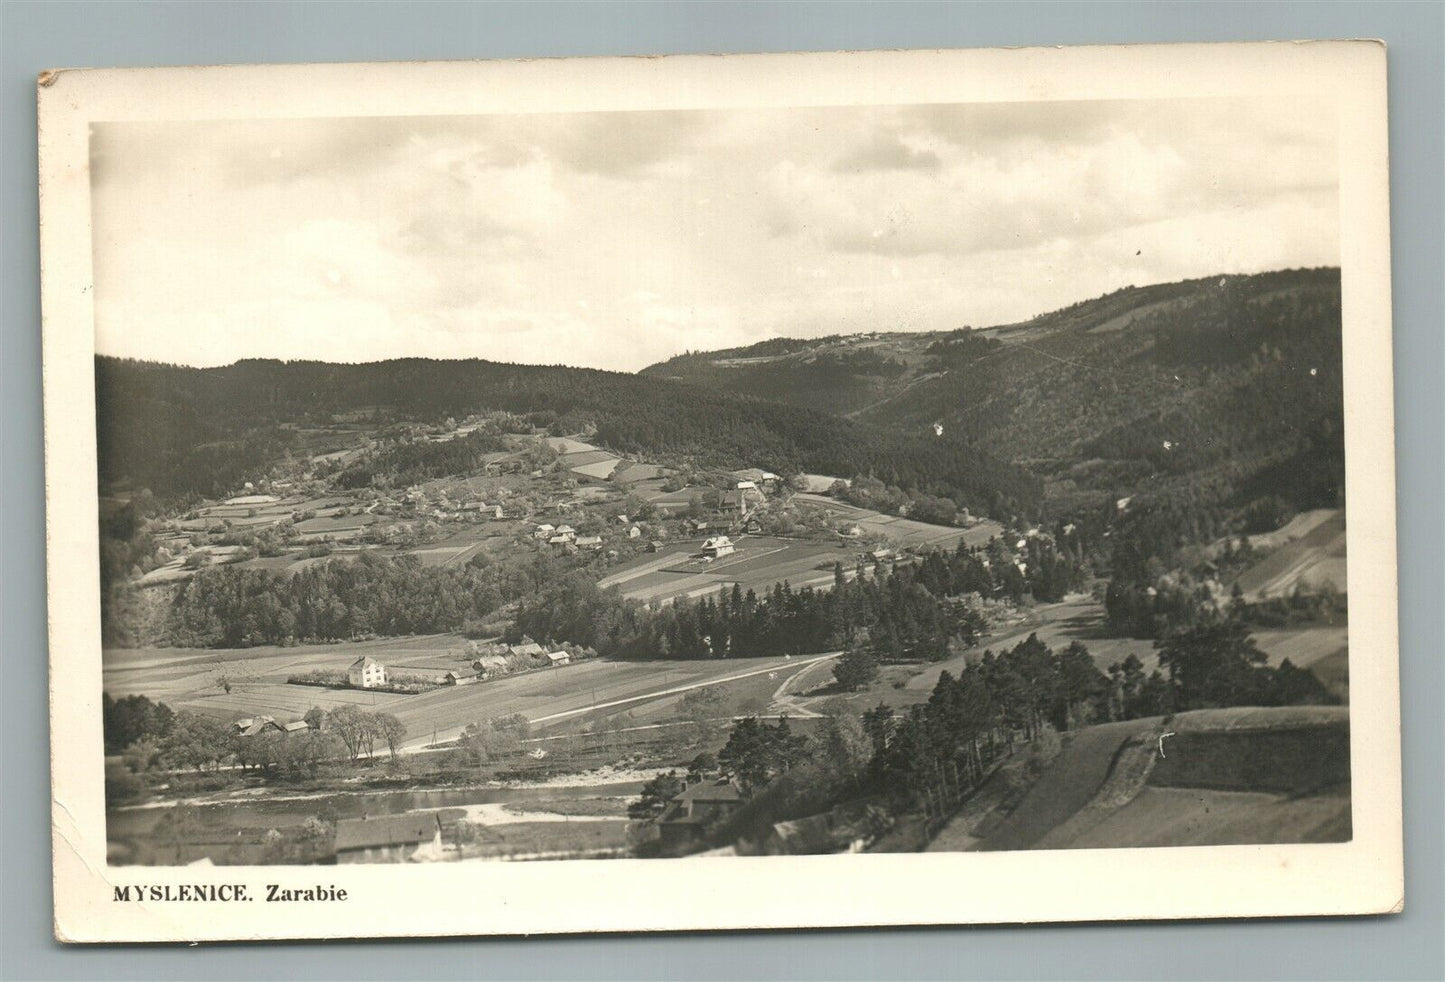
(745, 481)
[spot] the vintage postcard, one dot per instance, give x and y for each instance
(683, 493)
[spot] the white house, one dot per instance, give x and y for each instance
(559, 658)
(718, 545)
(544, 531)
(366, 673)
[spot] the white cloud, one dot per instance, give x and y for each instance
(616, 240)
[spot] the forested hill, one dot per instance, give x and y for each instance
(181, 431)
(1228, 386)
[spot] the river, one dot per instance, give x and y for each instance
(278, 812)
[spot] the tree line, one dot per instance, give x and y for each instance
(368, 595)
(928, 757)
(148, 735)
(404, 464)
(903, 612)
(161, 420)
(907, 610)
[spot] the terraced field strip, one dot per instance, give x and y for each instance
(566, 445)
(554, 696)
(905, 531)
(599, 470)
(684, 688)
(191, 674)
(1068, 785)
(1303, 647)
(759, 563)
(627, 575)
(1201, 817)
(289, 702)
(1313, 558)
(1297, 527)
(744, 556)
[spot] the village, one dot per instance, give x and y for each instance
(652, 532)
(514, 747)
(560, 495)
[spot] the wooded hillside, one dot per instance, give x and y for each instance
(1231, 384)
(181, 431)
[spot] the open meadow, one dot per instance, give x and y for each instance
(1239, 775)
(904, 532)
(553, 699)
(676, 570)
(1309, 552)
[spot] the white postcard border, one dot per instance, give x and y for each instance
(1362, 876)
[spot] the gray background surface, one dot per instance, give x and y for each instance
(35, 36)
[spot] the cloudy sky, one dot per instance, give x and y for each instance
(614, 240)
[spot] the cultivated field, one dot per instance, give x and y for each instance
(583, 460)
(552, 699)
(904, 531)
(759, 562)
(193, 674)
(1310, 553)
(1196, 817)
(1226, 776)
(1067, 786)
(1304, 647)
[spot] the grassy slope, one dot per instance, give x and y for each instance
(1067, 786)
(1312, 559)
(1193, 817)
(1228, 776)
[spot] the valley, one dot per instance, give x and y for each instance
(328, 582)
